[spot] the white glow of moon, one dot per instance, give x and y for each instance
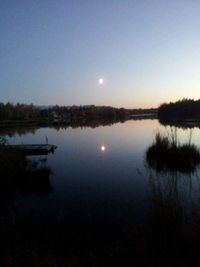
(101, 81)
(103, 148)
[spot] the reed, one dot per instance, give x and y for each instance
(166, 154)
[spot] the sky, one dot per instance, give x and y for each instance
(54, 52)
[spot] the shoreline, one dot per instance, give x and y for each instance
(12, 123)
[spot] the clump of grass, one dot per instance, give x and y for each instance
(165, 154)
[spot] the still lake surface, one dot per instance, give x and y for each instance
(100, 180)
(90, 183)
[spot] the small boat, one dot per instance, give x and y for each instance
(35, 149)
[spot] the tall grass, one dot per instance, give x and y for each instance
(166, 153)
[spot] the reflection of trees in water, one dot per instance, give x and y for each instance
(25, 129)
(182, 124)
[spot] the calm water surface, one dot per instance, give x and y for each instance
(109, 185)
(103, 188)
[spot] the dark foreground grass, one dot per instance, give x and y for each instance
(167, 155)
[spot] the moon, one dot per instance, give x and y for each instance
(103, 148)
(101, 81)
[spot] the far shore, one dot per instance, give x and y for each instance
(12, 123)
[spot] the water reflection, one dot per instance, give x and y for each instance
(101, 210)
(25, 129)
(34, 180)
(174, 187)
(33, 176)
(22, 130)
(173, 168)
(169, 226)
(18, 130)
(174, 192)
(183, 124)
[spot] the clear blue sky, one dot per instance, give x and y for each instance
(54, 51)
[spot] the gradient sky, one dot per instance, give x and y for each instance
(54, 51)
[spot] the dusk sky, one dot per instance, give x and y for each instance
(54, 52)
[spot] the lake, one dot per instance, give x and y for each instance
(101, 200)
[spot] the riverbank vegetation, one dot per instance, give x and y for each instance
(166, 154)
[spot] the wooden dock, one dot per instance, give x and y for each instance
(35, 149)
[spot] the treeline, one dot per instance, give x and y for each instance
(97, 112)
(18, 112)
(23, 112)
(182, 109)
(90, 112)
(10, 111)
